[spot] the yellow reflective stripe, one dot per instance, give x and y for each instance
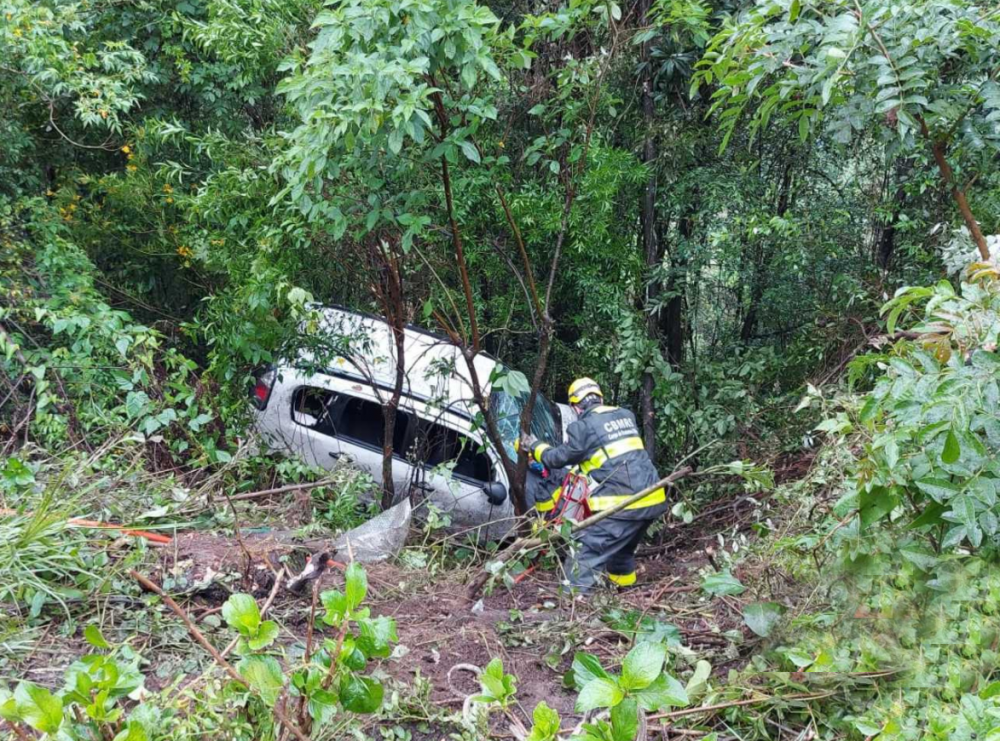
(602, 409)
(539, 449)
(650, 500)
(546, 506)
(612, 450)
(623, 580)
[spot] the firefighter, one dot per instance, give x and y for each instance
(604, 442)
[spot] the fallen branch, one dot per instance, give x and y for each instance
(738, 703)
(522, 544)
(278, 490)
(204, 642)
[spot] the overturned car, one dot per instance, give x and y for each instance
(327, 405)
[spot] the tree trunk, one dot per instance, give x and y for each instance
(673, 331)
(650, 248)
(388, 289)
(389, 413)
(885, 246)
(762, 263)
(940, 148)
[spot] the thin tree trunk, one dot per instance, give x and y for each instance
(649, 242)
(940, 148)
(673, 329)
(762, 263)
(389, 413)
(389, 290)
(886, 244)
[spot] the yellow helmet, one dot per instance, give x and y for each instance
(581, 388)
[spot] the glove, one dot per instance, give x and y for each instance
(538, 468)
(528, 443)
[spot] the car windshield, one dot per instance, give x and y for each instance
(545, 421)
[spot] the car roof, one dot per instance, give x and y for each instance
(434, 366)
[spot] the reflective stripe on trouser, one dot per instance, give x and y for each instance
(608, 547)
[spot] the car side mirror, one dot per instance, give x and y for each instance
(496, 493)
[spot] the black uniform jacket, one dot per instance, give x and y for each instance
(604, 442)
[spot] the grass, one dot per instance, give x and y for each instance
(42, 559)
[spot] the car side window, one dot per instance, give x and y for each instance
(434, 444)
(350, 418)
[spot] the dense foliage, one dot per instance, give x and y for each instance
(706, 205)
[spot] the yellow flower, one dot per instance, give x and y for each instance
(185, 251)
(167, 188)
(169, 199)
(126, 149)
(131, 168)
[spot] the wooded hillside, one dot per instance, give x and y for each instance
(768, 228)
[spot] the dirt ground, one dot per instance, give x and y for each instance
(531, 626)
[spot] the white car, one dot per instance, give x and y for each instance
(327, 405)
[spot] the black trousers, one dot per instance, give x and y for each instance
(607, 547)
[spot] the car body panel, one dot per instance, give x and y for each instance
(327, 406)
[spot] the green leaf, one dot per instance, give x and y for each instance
(761, 617)
(355, 585)
(132, 732)
(699, 680)
(8, 706)
(376, 635)
(263, 674)
(585, 669)
(242, 614)
(642, 665)
(136, 403)
(920, 556)
(492, 679)
(665, 692)
(361, 694)
(952, 450)
(722, 583)
(876, 503)
(940, 490)
(322, 707)
(266, 634)
(599, 693)
(990, 690)
(625, 720)
(336, 606)
(38, 707)
(92, 634)
(470, 151)
(546, 723)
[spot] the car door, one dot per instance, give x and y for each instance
(359, 427)
(455, 468)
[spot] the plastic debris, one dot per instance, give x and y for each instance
(381, 538)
